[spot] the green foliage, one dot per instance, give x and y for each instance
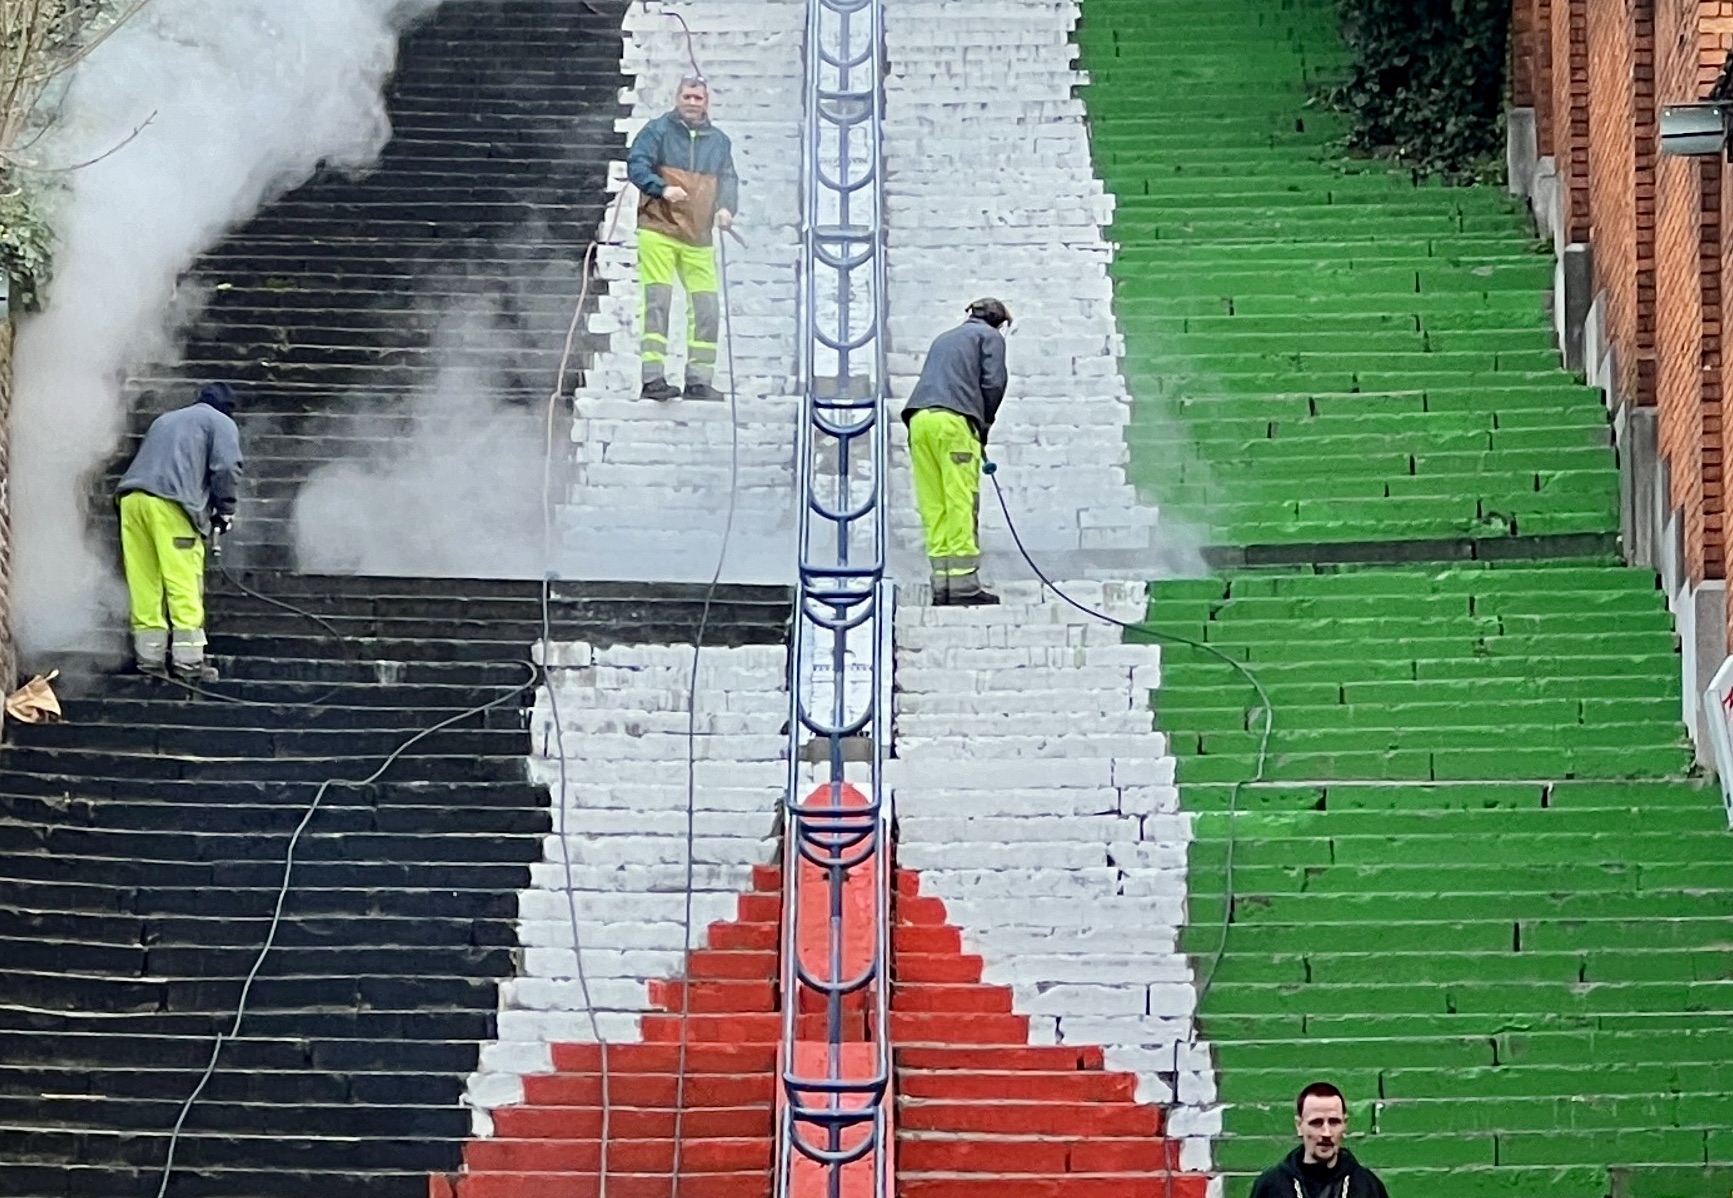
(26, 245)
(1428, 81)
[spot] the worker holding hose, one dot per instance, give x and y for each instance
(180, 487)
(683, 167)
(949, 415)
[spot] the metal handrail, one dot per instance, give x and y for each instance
(837, 1118)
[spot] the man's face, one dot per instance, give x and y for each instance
(693, 104)
(1320, 1125)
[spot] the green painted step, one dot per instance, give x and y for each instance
(1235, 211)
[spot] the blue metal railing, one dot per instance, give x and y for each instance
(835, 1113)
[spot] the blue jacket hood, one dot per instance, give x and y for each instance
(220, 396)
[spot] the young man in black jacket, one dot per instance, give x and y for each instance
(1320, 1167)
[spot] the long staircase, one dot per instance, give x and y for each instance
(1478, 882)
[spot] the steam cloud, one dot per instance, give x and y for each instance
(451, 487)
(244, 99)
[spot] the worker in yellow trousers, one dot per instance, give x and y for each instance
(662, 260)
(683, 168)
(949, 414)
(180, 487)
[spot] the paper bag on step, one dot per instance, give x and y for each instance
(35, 702)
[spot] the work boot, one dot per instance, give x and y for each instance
(199, 674)
(971, 599)
(660, 390)
(150, 650)
(702, 391)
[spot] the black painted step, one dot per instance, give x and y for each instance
(141, 854)
(504, 115)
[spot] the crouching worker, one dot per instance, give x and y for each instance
(179, 487)
(949, 415)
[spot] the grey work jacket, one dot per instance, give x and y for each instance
(191, 456)
(964, 373)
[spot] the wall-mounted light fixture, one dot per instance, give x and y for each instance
(1695, 130)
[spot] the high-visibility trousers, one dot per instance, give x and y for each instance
(165, 577)
(945, 458)
(661, 260)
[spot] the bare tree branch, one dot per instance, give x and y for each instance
(124, 142)
(40, 41)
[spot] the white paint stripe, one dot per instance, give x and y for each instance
(625, 820)
(1033, 793)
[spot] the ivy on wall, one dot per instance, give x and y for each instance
(26, 246)
(1427, 82)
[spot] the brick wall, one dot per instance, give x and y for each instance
(1597, 72)
(1688, 388)
(1569, 117)
(1522, 19)
(1622, 182)
(1533, 42)
(1688, 299)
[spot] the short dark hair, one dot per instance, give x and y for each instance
(1319, 1090)
(993, 311)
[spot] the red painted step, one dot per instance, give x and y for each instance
(1035, 1154)
(1061, 1185)
(1017, 1085)
(970, 999)
(1054, 1057)
(660, 1089)
(724, 1009)
(666, 1058)
(981, 1112)
(627, 1123)
(937, 967)
(699, 1155)
(561, 1184)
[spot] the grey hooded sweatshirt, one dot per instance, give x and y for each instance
(964, 373)
(191, 456)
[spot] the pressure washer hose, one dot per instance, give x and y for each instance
(991, 470)
(548, 579)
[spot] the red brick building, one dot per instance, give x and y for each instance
(1645, 249)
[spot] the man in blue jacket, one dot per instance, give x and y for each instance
(181, 485)
(683, 168)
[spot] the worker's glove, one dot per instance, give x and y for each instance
(989, 467)
(222, 522)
